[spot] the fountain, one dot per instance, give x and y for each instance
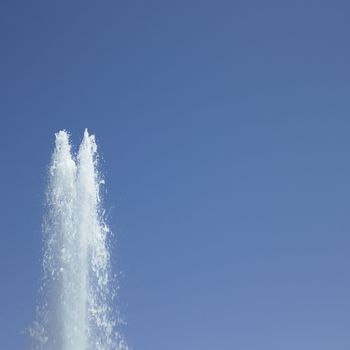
(74, 312)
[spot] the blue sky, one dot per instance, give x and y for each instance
(224, 128)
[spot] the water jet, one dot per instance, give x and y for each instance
(74, 311)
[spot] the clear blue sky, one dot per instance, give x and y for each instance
(224, 128)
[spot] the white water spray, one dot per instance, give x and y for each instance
(75, 312)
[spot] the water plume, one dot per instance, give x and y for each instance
(75, 309)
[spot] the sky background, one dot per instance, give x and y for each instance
(224, 129)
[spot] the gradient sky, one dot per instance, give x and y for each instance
(224, 128)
